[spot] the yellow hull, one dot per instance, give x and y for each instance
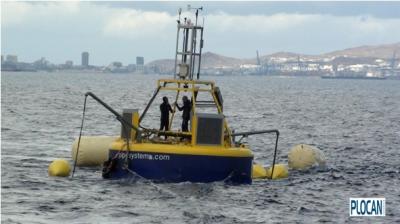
(183, 149)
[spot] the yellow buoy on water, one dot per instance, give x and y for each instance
(93, 150)
(59, 168)
(280, 171)
(303, 156)
(259, 172)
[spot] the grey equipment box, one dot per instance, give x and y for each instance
(210, 129)
(129, 115)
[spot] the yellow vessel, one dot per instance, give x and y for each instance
(207, 151)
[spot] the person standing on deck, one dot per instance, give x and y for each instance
(187, 108)
(165, 108)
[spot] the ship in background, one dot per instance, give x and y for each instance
(348, 74)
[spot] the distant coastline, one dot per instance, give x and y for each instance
(379, 61)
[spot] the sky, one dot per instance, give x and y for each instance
(120, 31)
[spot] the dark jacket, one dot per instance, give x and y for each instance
(187, 107)
(165, 108)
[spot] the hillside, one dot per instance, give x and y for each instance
(162, 63)
(359, 54)
(377, 51)
(212, 60)
(209, 60)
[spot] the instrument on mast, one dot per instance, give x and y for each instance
(189, 47)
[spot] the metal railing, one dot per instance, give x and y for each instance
(248, 133)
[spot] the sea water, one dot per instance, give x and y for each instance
(356, 123)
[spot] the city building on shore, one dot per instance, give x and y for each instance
(85, 59)
(139, 64)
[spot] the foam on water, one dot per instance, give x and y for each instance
(354, 122)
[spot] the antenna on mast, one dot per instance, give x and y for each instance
(189, 7)
(179, 13)
(188, 49)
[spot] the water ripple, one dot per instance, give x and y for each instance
(354, 122)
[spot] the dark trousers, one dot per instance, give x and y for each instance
(164, 124)
(185, 125)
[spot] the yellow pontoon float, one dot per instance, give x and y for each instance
(207, 152)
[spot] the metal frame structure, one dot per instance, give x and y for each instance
(187, 62)
(193, 87)
(188, 55)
